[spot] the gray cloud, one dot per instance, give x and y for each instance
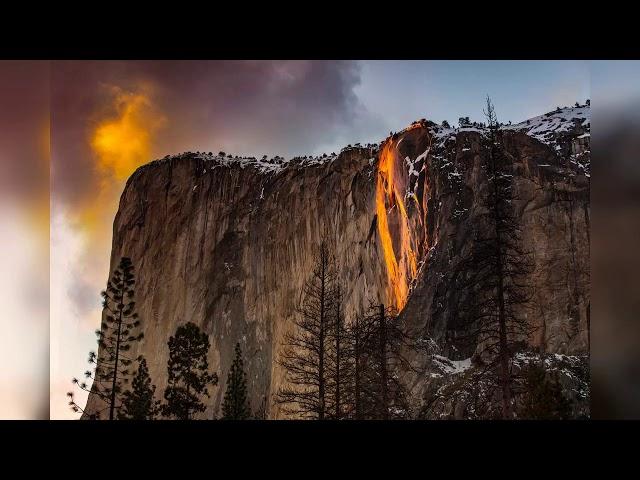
(245, 107)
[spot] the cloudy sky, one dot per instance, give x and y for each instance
(108, 118)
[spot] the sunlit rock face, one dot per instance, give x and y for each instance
(229, 246)
(227, 243)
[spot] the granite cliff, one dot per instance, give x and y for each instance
(227, 242)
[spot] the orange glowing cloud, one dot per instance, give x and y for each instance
(121, 137)
(123, 142)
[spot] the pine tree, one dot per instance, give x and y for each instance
(543, 398)
(110, 366)
(490, 289)
(305, 354)
(188, 373)
(236, 405)
(139, 403)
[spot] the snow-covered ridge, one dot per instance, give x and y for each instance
(265, 164)
(545, 128)
(566, 131)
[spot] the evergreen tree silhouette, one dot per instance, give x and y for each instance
(139, 403)
(543, 398)
(110, 366)
(188, 373)
(491, 289)
(235, 405)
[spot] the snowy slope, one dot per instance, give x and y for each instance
(548, 128)
(566, 131)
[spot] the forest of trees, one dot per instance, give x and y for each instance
(335, 370)
(347, 369)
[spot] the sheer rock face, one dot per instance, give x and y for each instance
(551, 200)
(228, 244)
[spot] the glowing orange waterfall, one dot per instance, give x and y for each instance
(400, 261)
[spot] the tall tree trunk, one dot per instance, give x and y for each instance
(505, 380)
(505, 376)
(356, 373)
(115, 365)
(383, 365)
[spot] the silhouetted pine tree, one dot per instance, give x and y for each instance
(139, 403)
(236, 405)
(115, 338)
(188, 373)
(490, 288)
(305, 353)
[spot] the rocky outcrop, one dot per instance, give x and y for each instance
(227, 242)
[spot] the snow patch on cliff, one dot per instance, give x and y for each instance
(451, 366)
(545, 128)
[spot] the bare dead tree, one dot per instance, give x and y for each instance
(305, 354)
(358, 335)
(338, 363)
(376, 343)
(386, 343)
